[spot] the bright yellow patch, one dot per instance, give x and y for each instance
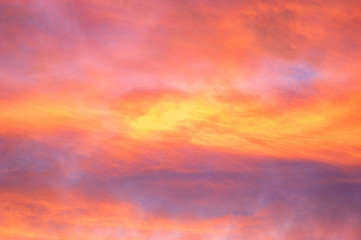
(166, 116)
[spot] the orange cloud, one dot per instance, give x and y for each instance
(180, 119)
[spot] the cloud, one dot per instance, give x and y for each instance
(180, 119)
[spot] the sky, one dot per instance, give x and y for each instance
(180, 119)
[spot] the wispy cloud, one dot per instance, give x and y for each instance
(180, 119)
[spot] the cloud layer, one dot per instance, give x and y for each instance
(203, 119)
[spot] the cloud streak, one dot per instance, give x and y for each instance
(180, 119)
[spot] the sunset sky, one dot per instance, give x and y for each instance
(180, 119)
